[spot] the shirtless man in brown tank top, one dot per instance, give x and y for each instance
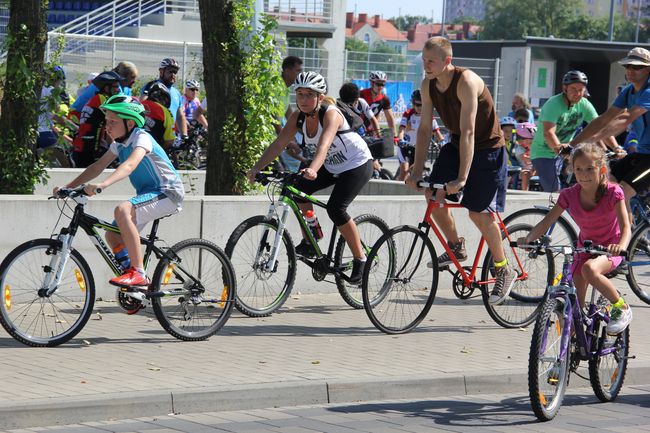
(474, 160)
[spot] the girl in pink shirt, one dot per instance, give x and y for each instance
(598, 208)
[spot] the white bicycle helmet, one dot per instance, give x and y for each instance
(378, 76)
(192, 84)
(311, 80)
(507, 120)
(169, 63)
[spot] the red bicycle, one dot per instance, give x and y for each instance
(400, 284)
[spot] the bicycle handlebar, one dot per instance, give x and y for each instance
(429, 185)
(73, 192)
(587, 247)
(264, 177)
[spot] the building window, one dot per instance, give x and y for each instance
(366, 38)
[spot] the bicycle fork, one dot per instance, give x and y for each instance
(58, 262)
(269, 266)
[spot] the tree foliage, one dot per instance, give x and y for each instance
(244, 88)
(20, 165)
(517, 19)
(405, 22)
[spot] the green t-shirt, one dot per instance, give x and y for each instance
(566, 120)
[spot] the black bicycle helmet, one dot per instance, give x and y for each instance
(107, 78)
(575, 76)
(159, 93)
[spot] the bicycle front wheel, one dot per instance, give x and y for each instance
(638, 258)
(520, 307)
(194, 292)
(261, 291)
(548, 373)
(27, 312)
(400, 280)
(370, 229)
(608, 367)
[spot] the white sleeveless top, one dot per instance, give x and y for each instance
(347, 151)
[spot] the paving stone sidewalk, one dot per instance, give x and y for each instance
(317, 350)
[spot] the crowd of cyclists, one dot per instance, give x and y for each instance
(338, 142)
(72, 129)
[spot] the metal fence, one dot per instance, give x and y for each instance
(408, 69)
(305, 11)
(83, 54)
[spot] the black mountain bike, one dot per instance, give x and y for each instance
(48, 290)
(264, 257)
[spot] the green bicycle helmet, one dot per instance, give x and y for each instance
(125, 107)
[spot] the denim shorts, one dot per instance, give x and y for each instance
(548, 170)
(485, 189)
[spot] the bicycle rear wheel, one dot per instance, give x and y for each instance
(520, 307)
(370, 229)
(548, 373)
(260, 291)
(398, 287)
(638, 258)
(195, 291)
(607, 371)
(27, 313)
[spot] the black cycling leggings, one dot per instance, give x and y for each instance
(347, 186)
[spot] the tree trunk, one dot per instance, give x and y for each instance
(222, 78)
(27, 35)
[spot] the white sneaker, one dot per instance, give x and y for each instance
(620, 319)
(505, 279)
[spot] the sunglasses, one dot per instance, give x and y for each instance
(417, 104)
(379, 84)
(635, 67)
(194, 90)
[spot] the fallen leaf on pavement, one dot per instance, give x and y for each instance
(315, 362)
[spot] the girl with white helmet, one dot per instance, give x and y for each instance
(341, 159)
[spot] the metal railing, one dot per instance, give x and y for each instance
(104, 21)
(84, 54)
(304, 11)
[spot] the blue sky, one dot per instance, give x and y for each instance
(390, 8)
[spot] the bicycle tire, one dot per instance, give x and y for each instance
(22, 307)
(188, 315)
(522, 304)
(399, 293)
(257, 296)
(351, 293)
(638, 259)
(548, 378)
(607, 373)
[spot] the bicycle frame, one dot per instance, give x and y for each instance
(287, 203)
(468, 278)
(573, 314)
(90, 224)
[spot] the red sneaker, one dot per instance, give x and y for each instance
(131, 278)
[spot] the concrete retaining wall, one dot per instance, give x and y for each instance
(214, 218)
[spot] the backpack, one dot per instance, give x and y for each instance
(354, 120)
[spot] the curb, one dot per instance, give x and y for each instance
(72, 410)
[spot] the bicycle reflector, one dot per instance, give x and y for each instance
(224, 296)
(80, 280)
(7, 297)
(168, 274)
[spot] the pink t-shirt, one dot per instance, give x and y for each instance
(599, 224)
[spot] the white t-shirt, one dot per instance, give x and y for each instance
(346, 152)
(364, 109)
(45, 117)
(411, 121)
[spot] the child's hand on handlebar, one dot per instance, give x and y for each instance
(251, 174)
(615, 249)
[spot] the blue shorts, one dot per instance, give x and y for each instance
(548, 170)
(485, 189)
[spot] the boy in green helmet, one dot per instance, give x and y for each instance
(158, 186)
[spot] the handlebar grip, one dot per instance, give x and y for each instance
(98, 190)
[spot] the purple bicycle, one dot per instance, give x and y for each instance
(556, 349)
